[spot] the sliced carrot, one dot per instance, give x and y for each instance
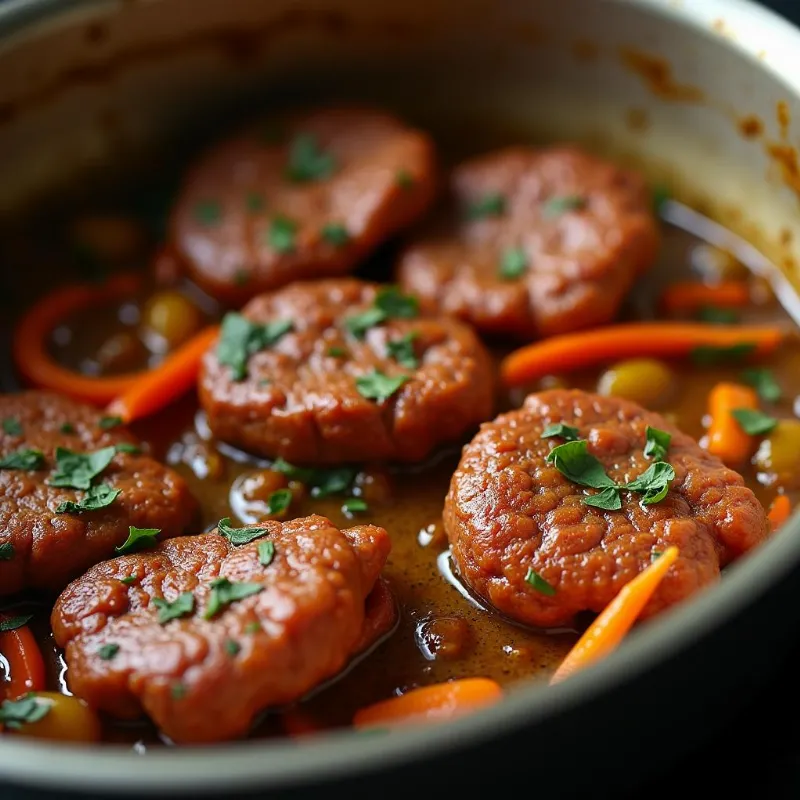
(617, 618)
(691, 296)
(30, 350)
(25, 662)
(436, 703)
(173, 377)
(726, 439)
(571, 351)
(779, 511)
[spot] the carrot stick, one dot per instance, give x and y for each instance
(779, 511)
(25, 662)
(616, 619)
(29, 345)
(586, 348)
(158, 387)
(691, 296)
(436, 703)
(726, 439)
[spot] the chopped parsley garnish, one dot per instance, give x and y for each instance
(253, 627)
(566, 432)
(708, 355)
(78, 470)
(281, 234)
(307, 161)
(377, 386)
(266, 552)
(67, 427)
(15, 713)
(239, 536)
(232, 647)
(138, 539)
(96, 497)
(207, 212)
(718, 316)
(108, 651)
(608, 499)
(323, 482)
(12, 427)
(753, 422)
(12, 623)
(653, 484)
(128, 447)
(107, 423)
(404, 179)
(535, 580)
(225, 592)
(279, 501)
(490, 205)
(402, 350)
(178, 690)
(240, 338)
(563, 203)
(574, 461)
(6, 551)
(656, 443)
(128, 580)
(763, 381)
(655, 555)
(336, 352)
(513, 263)
(389, 303)
(254, 202)
(336, 234)
(23, 459)
(181, 606)
(354, 505)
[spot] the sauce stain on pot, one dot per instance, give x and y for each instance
(656, 72)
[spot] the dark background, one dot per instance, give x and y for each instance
(758, 755)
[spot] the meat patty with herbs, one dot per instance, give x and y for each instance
(536, 243)
(308, 195)
(343, 371)
(72, 484)
(202, 633)
(555, 506)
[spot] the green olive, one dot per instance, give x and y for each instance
(172, 317)
(644, 380)
(715, 265)
(779, 454)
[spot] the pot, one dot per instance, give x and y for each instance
(699, 95)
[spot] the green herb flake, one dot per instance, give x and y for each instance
(389, 303)
(138, 539)
(653, 484)
(323, 482)
(574, 461)
(266, 552)
(178, 690)
(253, 627)
(335, 234)
(513, 263)
(359, 324)
(354, 505)
(656, 443)
(181, 606)
(535, 580)
(207, 212)
(108, 651)
(375, 385)
(660, 196)
(128, 580)
(239, 536)
(402, 350)
(225, 592)
(12, 623)
(78, 470)
(763, 381)
(96, 497)
(560, 204)
(241, 338)
(308, 161)
(107, 423)
(655, 555)
(254, 202)
(281, 234)
(336, 352)
(16, 713)
(562, 431)
(279, 501)
(67, 428)
(232, 648)
(753, 422)
(129, 447)
(490, 205)
(6, 551)
(404, 179)
(709, 355)
(29, 460)
(718, 316)
(12, 427)
(608, 499)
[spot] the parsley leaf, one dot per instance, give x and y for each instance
(138, 539)
(108, 651)
(15, 713)
(96, 497)
(389, 303)
(763, 381)
(513, 263)
(128, 580)
(67, 427)
(718, 316)
(12, 427)
(708, 355)
(23, 459)
(6, 551)
(566, 432)
(656, 443)
(279, 501)
(307, 161)
(563, 203)
(128, 447)
(377, 386)
(240, 338)
(281, 234)
(323, 482)
(178, 690)
(266, 552)
(225, 592)
(608, 499)
(239, 536)
(753, 422)
(207, 212)
(181, 606)
(78, 470)
(232, 647)
(653, 484)
(354, 505)
(107, 423)
(535, 580)
(575, 462)
(402, 350)
(336, 352)
(12, 623)
(336, 234)
(404, 179)
(490, 205)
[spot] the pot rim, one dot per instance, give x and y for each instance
(256, 764)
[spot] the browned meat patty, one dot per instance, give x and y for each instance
(359, 377)
(539, 242)
(306, 198)
(43, 546)
(203, 676)
(508, 512)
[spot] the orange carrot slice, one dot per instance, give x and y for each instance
(26, 670)
(779, 511)
(726, 439)
(617, 618)
(436, 703)
(691, 296)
